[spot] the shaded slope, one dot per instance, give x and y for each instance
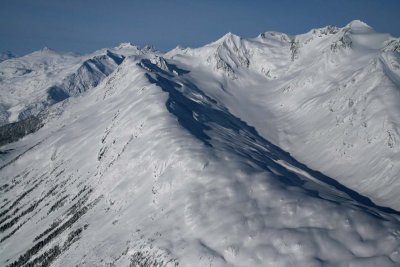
(30, 84)
(334, 89)
(156, 165)
(148, 168)
(214, 125)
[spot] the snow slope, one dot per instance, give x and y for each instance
(6, 55)
(31, 83)
(330, 97)
(160, 165)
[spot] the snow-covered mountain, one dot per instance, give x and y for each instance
(6, 55)
(181, 159)
(32, 83)
(330, 97)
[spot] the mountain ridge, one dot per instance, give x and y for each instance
(199, 157)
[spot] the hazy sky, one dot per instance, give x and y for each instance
(87, 25)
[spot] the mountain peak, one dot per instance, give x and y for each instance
(228, 36)
(46, 49)
(272, 35)
(358, 24)
(149, 48)
(126, 45)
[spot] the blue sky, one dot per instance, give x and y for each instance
(87, 25)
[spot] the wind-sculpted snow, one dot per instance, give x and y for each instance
(168, 162)
(197, 112)
(333, 89)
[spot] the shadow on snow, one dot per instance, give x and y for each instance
(216, 127)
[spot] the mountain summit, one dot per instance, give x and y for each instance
(358, 24)
(278, 150)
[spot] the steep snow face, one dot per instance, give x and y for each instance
(336, 90)
(148, 169)
(32, 83)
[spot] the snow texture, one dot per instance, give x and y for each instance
(6, 55)
(179, 159)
